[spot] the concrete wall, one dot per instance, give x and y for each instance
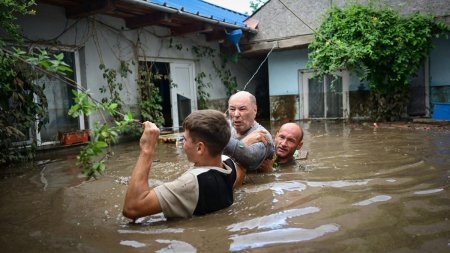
(439, 61)
(283, 71)
(277, 22)
(104, 39)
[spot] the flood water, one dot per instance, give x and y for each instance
(362, 189)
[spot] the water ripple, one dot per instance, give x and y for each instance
(379, 198)
(272, 221)
(176, 246)
(278, 187)
(134, 244)
(430, 191)
(287, 235)
(151, 232)
(338, 184)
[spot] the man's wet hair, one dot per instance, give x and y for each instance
(210, 127)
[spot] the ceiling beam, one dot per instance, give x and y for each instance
(160, 18)
(216, 35)
(89, 8)
(192, 29)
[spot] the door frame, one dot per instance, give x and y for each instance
(172, 62)
(304, 75)
(174, 90)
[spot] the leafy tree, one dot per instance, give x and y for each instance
(9, 9)
(254, 5)
(384, 48)
(22, 101)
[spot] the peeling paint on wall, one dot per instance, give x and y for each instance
(284, 108)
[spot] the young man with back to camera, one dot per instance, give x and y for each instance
(205, 188)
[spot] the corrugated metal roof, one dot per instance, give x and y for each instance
(204, 9)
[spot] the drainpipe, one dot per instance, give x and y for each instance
(145, 4)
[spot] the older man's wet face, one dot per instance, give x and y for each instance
(287, 140)
(242, 112)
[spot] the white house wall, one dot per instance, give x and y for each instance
(283, 67)
(103, 39)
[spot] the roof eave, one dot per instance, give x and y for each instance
(170, 10)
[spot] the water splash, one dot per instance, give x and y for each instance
(43, 179)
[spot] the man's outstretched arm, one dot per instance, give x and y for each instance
(140, 200)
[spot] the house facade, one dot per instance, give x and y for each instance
(285, 28)
(180, 40)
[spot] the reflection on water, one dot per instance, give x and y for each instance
(279, 236)
(272, 221)
(360, 190)
(133, 244)
(428, 191)
(176, 246)
(379, 198)
(338, 184)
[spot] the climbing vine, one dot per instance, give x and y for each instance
(202, 94)
(384, 48)
(228, 80)
(150, 99)
(113, 88)
(98, 149)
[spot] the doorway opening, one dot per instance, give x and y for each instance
(175, 82)
(160, 72)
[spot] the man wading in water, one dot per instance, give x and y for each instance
(242, 109)
(288, 140)
(205, 188)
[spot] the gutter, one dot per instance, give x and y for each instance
(145, 4)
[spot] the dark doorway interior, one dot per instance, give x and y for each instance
(161, 79)
(417, 105)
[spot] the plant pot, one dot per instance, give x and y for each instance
(70, 138)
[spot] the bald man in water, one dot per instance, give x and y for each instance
(242, 110)
(288, 139)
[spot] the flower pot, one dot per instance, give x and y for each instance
(70, 138)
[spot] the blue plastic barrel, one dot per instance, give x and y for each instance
(441, 111)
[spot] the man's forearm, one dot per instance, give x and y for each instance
(138, 186)
(249, 156)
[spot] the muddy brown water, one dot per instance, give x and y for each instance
(362, 189)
